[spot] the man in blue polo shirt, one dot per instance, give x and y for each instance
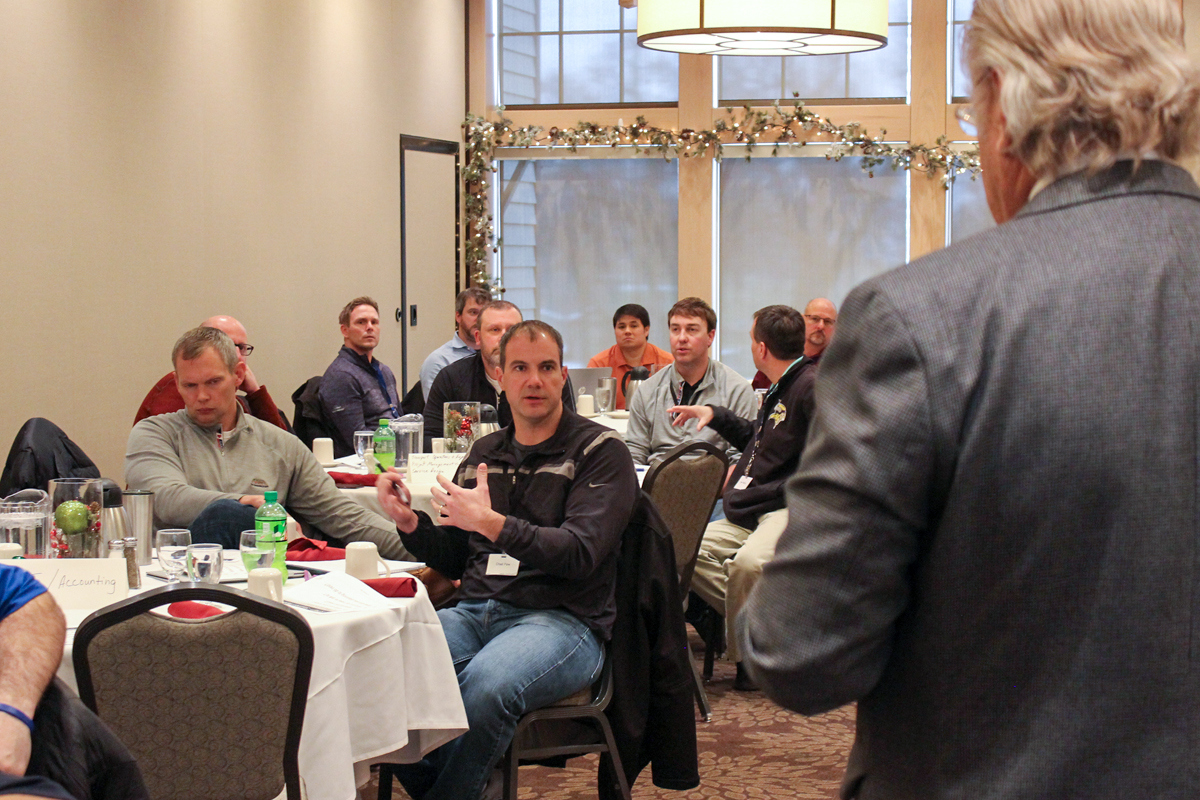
(32, 631)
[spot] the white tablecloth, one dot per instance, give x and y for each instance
(383, 689)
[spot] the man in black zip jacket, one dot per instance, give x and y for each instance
(734, 549)
(532, 525)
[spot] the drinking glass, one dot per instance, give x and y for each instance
(363, 440)
(204, 562)
(172, 552)
(255, 554)
(605, 395)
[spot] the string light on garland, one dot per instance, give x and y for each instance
(777, 128)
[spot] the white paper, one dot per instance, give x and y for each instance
(89, 583)
(336, 591)
(423, 468)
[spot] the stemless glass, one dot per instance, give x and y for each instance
(255, 554)
(204, 562)
(172, 551)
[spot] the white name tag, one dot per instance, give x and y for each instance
(80, 582)
(502, 564)
(743, 482)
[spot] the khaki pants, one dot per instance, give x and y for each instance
(730, 563)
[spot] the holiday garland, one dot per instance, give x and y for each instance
(746, 128)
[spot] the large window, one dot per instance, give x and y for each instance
(797, 228)
(969, 212)
(582, 237)
(875, 74)
(578, 52)
(960, 81)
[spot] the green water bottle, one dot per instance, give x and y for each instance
(271, 523)
(385, 445)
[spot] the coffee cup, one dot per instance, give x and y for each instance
(11, 550)
(585, 404)
(361, 558)
(323, 449)
(265, 582)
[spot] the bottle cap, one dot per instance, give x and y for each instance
(271, 497)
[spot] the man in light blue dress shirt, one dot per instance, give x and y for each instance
(462, 343)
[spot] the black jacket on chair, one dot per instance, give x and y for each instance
(651, 712)
(41, 452)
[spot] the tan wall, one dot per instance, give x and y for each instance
(164, 160)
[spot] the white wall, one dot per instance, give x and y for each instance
(165, 160)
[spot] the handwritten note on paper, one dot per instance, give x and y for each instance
(80, 582)
(423, 468)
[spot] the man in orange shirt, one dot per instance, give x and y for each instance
(631, 324)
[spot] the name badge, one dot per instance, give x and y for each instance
(743, 482)
(502, 564)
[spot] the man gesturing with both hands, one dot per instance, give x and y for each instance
(531, 525)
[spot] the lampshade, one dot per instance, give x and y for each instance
(762, 27)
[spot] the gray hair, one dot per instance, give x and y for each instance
(1086, 82)
(192, 344)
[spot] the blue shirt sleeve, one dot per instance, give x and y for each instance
(17, 587)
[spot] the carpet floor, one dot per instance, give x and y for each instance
(752, 749)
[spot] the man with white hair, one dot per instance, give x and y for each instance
(992, 533)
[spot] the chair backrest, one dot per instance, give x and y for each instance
(414, 401)
(685, 486)
(309, 422)
(211, 708)
(40, 452)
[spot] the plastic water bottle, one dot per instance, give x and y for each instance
(385, 445)
(271, 523)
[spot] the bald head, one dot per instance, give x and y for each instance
(820, 318)
(231, 328)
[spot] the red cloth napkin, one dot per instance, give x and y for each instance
(352, 479)
(403, 586)
(305, 549)
(190, 609)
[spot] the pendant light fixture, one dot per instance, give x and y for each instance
(762, 27)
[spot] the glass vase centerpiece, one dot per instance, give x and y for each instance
(76, 507)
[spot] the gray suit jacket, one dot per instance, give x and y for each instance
(992, 539)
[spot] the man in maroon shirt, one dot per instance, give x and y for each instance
(165, 398)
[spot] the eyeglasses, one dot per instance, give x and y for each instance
(967, 119)
(246, 349)
(814, 319)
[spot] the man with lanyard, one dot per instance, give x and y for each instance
(357, 390)
(532, 526)
(734, 549)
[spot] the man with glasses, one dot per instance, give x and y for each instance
(165, 398)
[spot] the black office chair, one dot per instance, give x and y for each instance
(211, 708)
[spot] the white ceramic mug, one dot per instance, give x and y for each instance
(266, 582)
(11, 550)
(585, 404)
(323, 449)
(361, 558)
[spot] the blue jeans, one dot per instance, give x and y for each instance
(221, 522)
(509, 660)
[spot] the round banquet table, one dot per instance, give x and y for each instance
(383, 689)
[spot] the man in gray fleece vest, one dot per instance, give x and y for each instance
(209, 464)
